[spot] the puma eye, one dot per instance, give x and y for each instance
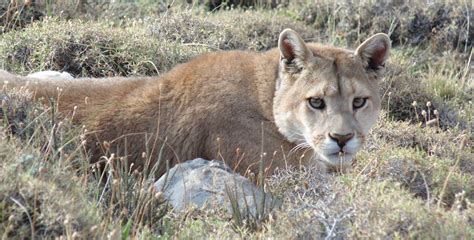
(359, 102)
(316, 103)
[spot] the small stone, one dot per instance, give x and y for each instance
(207, 185)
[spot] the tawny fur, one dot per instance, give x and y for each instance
(216, 106)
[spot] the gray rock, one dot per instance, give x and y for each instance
(209, 184)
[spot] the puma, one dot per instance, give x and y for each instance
(300, 103)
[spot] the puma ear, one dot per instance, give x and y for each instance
(293, 50)
(375, 51)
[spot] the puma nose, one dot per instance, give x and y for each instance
(341, 139)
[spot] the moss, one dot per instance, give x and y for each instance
(384, 210)
(416, 75)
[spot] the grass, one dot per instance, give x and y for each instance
(414, 178)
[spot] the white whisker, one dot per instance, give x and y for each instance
(300, 146)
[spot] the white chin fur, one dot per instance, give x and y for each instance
(336, 160)
(330, 155)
